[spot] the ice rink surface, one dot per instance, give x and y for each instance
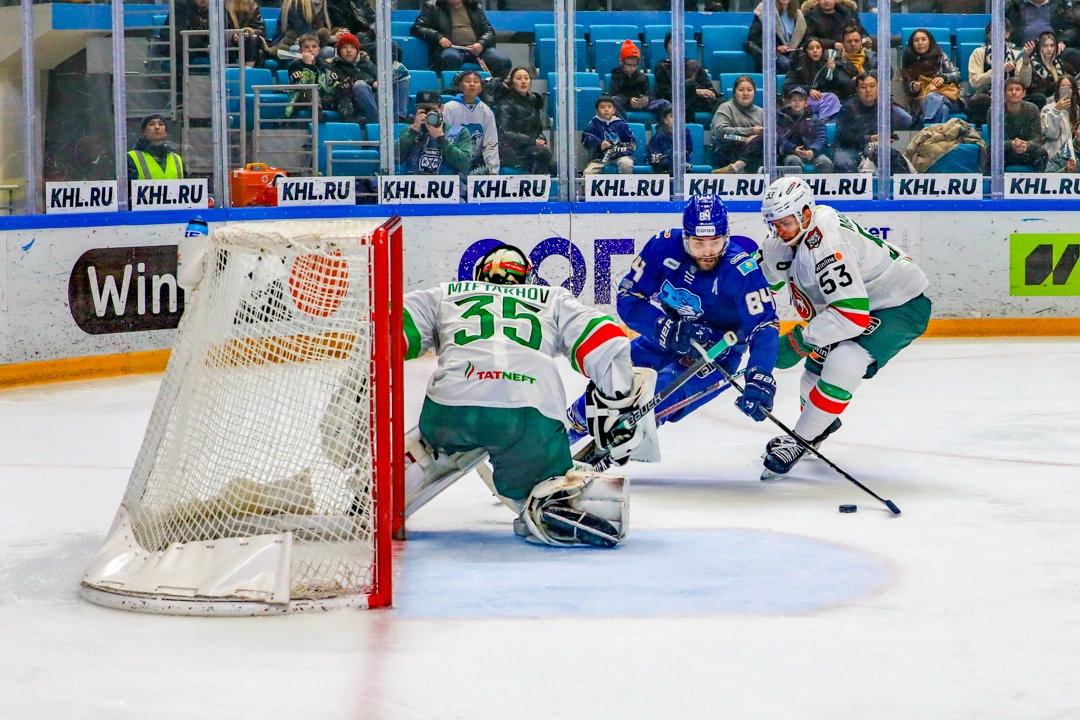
(731, 597)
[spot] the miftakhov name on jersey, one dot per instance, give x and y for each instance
(529, 292)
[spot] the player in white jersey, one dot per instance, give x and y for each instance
(497, 390)
(863, 299)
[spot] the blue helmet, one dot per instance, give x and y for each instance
(705, 216)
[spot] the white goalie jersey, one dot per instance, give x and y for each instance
(496, 344)
(838, 274)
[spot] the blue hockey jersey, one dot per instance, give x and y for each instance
(664, 282)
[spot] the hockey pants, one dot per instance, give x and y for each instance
(827, 387)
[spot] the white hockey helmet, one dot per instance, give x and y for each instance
(788, 196)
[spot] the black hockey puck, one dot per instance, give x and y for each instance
(848, 508)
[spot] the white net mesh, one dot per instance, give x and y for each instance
(263, 421)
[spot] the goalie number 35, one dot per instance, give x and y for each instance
(755, 301)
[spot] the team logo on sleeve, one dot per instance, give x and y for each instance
(813, 239)
(802, 304)
(747, 266)
(681, 300)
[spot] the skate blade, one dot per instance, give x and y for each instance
(768, 474)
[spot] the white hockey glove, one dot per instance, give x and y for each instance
(579, 508)
(602, 416)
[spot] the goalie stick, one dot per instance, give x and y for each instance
(600, 458)
(804, 444)
(716, 387)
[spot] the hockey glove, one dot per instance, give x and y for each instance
(792, 348)
(677, 336)
(758, 394)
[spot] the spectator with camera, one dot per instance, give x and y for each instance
(816, 70)
(608, 139)
(630, 86)
(700, 95)
(790, 31)
(1060, 121)
(1017, 65)
(856, 128)
(519, 115)
(472, 113)
(738, 129)
(931, 82)
(456, 31)
(660, 149)
(800, 137)
(827, 19)
(428, 146)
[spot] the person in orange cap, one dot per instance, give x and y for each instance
(630, 86)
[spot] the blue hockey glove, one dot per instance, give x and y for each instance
(758, 393)
(677, 335)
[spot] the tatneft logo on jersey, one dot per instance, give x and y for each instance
(1041, 185)
(132, 289)
(1044, 264)
(613, 187)
(733, 188)
(67, 198)
(472, 373)
(419, 189)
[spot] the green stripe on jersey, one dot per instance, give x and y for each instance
(412, 336)
(833, 392)
(584, 336)
(852, 304)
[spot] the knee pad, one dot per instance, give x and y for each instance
(845, 365)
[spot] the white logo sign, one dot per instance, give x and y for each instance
(316, 191)
(628, 187)
(507, 188)
(964, 186)
(169, 195)
(728, 187)
(1041, 185)
(418, 189)
(841, 186)
(66, 198)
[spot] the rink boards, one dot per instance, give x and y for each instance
(104, 285)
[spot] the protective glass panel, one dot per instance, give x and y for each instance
(13, 121)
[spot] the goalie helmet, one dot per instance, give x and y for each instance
(503, 265)
(788, 196)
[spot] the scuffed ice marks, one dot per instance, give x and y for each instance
(46, 570)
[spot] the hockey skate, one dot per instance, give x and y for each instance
(783, 451)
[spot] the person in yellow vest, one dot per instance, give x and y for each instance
(153, 157)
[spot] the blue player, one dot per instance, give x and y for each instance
(691, 285)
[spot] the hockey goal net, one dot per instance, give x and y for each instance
(265, 479)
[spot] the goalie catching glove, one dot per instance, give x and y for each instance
(603, 413)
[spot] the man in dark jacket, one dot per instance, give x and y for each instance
(800, 138)
(153, 157)
(827, 19)
(856, 127)
(855, 59)
(1023, 131)
(456, 31)
(700, 96)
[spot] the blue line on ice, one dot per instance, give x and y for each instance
(469, 574)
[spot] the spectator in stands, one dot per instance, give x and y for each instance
(469, 111)
(856, 127)
(790, 31)
(700, 95)
(429, 146)
(358, 17)
(737, 129)
(931, 81)
(630, 86)
(239, 15)
(1023, 129)
(352, 80)
(519, 115)
(827, 19)
(608, 139)
(856, 59)
(304, 17)
(309, 69)
(456, 31)
(1029, 19)
(817, 72)
(1017, 65)
(800, 137)
(1060, 121)
(153, 158)
(1046, 67)
(659, 149)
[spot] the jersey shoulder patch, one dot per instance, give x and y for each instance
(814, 238)
(747, 266)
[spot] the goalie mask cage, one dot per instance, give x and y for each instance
(268, 473)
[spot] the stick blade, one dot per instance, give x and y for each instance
(892, 506)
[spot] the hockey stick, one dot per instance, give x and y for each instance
(807, 446)
(595, 456)
(668, 412)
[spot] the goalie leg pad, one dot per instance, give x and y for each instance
(602, 415)
(581, 507)
(429, 472)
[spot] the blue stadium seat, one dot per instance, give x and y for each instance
(347, 160)
(270, 13)
(639, 135)
(584, 105)
(423, 80)
(271, 27)
(581, 79)
(546, 58)
(703, 118)
(414, 53)
(722, 37)
(961, 159)
(965, 55)
(830, 134)
(659, 32)
(731, 61)
(371, 130)
(655, 52)
(399, 28)
(644, 117)
(697, 136)
(968, 35)
(605, 54)
(548, 31)
(613, 32)
(282, 77)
